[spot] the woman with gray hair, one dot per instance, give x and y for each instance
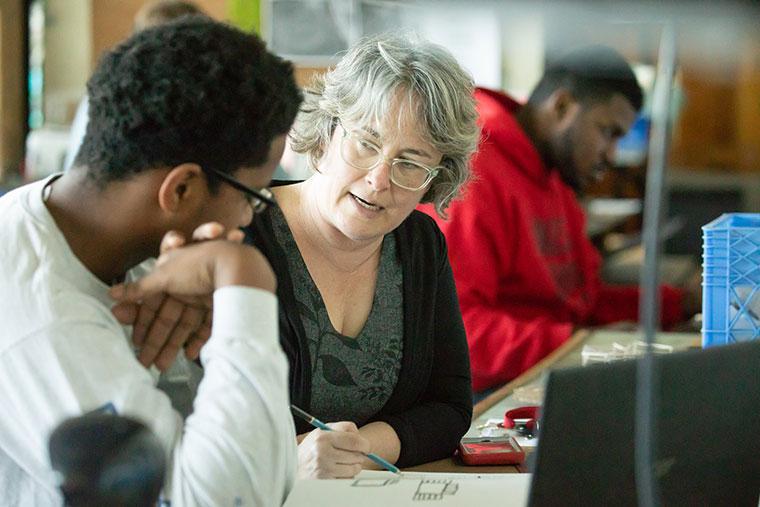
(369, 316)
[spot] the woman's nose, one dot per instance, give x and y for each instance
(379, 177)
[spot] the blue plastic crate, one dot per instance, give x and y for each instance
(731, 279)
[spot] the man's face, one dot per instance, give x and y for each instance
(585, 148)
(229, 206)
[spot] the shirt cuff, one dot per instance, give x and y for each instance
(245, 313)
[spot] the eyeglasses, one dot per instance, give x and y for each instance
(257, 199)
(359, 152)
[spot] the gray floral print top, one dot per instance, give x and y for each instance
(352, 378)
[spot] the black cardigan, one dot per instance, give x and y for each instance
(431, 406)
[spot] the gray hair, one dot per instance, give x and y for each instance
(363, 86)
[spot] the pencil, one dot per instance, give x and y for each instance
(322, 426)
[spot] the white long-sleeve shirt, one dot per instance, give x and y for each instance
(63, 354)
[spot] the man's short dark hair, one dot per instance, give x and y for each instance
(193, 90)
(158, 12)
(591, 74)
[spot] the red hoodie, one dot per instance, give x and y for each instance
(526, 273)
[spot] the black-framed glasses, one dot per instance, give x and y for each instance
(258, 199)
(361, 153)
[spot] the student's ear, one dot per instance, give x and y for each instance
(184, 185)
(563, 107)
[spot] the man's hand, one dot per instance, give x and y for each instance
(164, 323)
(332, 454)
(692, 300)
(198, 270)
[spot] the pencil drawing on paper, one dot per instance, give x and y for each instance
(373, 482)
(434, 489)
(427, 489)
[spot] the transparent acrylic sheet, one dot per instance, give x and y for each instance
(617, 352)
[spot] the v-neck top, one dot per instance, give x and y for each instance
(431, 406)
(352, 378)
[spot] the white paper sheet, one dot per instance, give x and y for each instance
(383, 489)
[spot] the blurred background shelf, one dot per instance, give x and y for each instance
(48, 48)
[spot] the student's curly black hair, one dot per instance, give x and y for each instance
(193, 90)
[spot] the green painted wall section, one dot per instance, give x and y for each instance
(245, 14)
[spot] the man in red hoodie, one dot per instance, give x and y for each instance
(526, 273)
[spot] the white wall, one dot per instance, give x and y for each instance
(523, 50)
(68, 50)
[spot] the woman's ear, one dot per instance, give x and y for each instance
(184, 185)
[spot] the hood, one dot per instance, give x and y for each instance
(496, 117)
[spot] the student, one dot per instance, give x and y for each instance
(369, 316)
(525, 271)
(183, 117)
(153, 13)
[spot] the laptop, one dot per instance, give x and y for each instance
(707, 429)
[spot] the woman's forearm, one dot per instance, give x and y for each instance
(385, 442)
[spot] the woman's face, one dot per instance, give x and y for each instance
(365, 204)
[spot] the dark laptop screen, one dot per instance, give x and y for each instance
(707, 430)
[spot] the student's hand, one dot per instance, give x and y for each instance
(332, 454)
(692, 300)
(199, 269)
(189, 274)
(161, 324)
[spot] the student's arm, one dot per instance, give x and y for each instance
(621, 303)
(503, 346)
(615, 303)
(237, 446)
(164, 325)
(239, 441)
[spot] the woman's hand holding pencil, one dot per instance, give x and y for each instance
(337, 451)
